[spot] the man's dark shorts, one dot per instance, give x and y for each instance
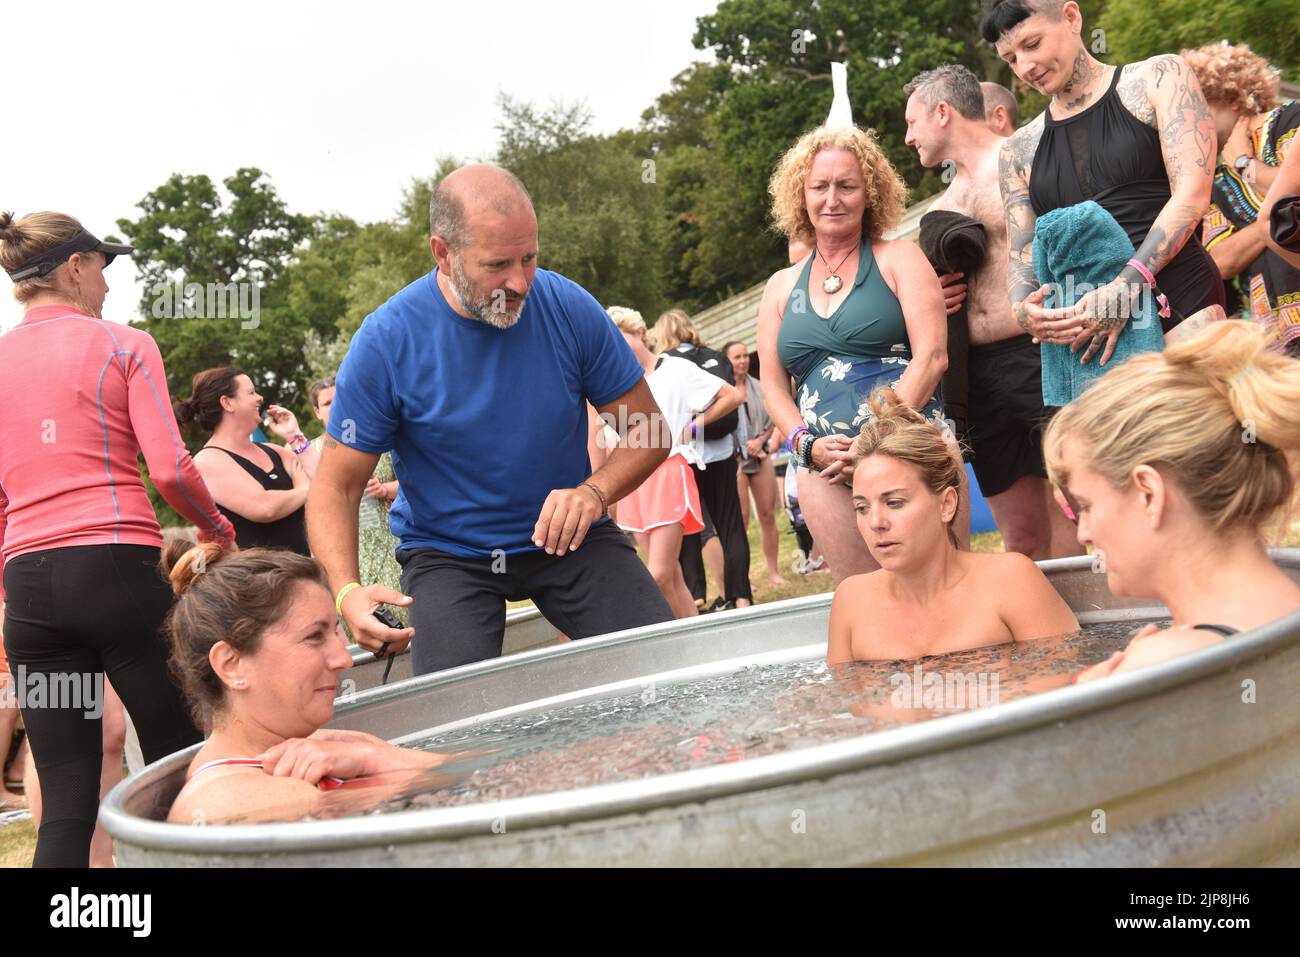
(1007, 415)
(459, 611)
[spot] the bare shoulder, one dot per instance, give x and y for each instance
(1148, 648)
(857, 588)
(1161, 69)
(987, 568)
(229, 795)
(213, 461)
(1012, 576)
(897, 254)
(780, 284)
(1010, 565)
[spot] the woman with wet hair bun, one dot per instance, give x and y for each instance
(257, 646)
(928, 596)
(81, 400)
(1178, 464)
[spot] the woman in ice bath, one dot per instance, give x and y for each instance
(1178, 462)
(256, 641)
(928, 597)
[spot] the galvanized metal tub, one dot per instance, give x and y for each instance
(526, 629)
(1165, 766)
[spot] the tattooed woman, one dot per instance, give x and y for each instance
(1139, 140)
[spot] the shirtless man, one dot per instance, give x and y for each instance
(946, 125)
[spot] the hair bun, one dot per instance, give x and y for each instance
(1235, 361)
(885, 403)
(6, 221)
(184, 563)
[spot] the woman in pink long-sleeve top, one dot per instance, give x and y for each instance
(80, 398)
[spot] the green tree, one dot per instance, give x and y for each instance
(723, 127)
(598, 200)
(188, 236)
(367, 265)
(1137, 29)
(715, 231)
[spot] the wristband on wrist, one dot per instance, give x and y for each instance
(299, 443)
(793, 438)
(806, 442)
(1161, 298)
(604, 505)
(338, 599)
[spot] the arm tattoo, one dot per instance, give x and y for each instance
(1187, 130)
(1132, 92)
(1160, 246)
(330, 443)
(1014, 163)
(1188, 142)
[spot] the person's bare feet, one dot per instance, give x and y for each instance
(774, 578)
(9, 801)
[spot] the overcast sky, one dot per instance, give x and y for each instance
(342, 104)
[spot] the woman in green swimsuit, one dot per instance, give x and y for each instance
(858, 311)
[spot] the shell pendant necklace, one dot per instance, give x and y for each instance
(832, 283)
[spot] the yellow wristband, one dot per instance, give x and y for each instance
(338, 599)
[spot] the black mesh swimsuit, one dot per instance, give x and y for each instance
(1108, 155)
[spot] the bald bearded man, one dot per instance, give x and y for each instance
(477, 376)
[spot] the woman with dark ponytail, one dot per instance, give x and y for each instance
(257, 646)
(82, 398)
(261, 488)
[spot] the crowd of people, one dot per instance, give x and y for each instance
(1097, 237)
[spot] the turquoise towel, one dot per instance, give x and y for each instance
(1082, 246)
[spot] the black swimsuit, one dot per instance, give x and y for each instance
(288, 533)
(1108, 155)
(1223, 630)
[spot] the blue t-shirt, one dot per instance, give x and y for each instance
(483, 423)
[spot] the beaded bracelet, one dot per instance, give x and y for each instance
(806, 442)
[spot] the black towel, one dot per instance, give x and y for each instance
(1284, 224)
(954, 243)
